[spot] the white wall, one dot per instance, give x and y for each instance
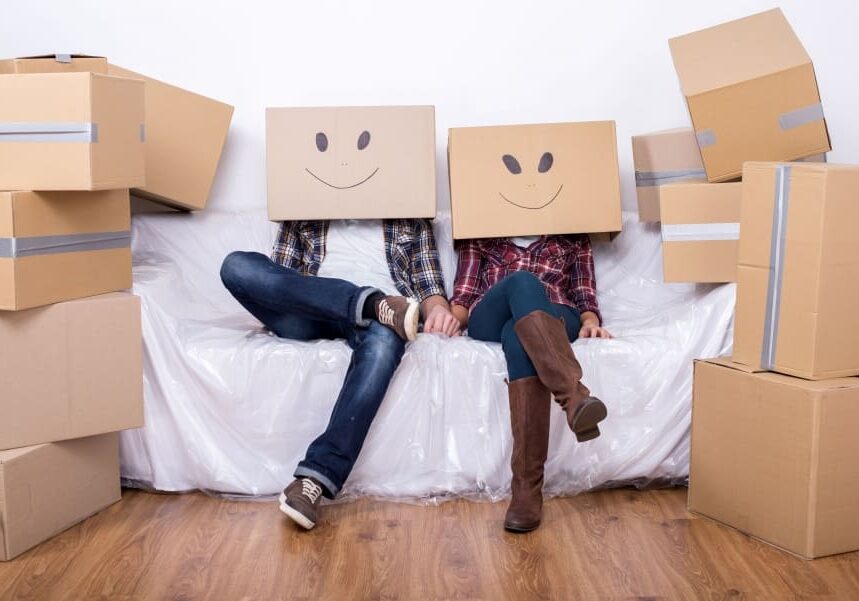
(478, 61)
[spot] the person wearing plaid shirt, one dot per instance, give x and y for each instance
(304, 292)
(535, 296)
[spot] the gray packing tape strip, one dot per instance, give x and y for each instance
(800, 117)
(49, 132)
(12, 248)
(63, 58)
(699, 232)
(777, 243)
(659, 178)
(706, 137)
(142, 132)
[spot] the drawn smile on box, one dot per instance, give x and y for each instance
(524, 206)
(342, 187)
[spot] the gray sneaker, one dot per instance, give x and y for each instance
(300, 501)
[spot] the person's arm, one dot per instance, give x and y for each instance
(466, 287)
(583, 282)
(429, 283)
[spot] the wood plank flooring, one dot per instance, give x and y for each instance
(616, 544)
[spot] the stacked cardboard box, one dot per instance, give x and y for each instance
(752, 96)
(71, 145)
(185, 132)
(772, 441)
(774, 455)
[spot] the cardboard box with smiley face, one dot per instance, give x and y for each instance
(521, 180)
(351, 162)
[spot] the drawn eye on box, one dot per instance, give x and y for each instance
(351, 162)
(530, 194)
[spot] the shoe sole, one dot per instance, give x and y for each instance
(410, 321)
(585, 423)
(295, 515)
(521, 529)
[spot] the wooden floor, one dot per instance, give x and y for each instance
(619, 544)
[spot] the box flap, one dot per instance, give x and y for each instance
(60, 57)
(701, 203)
(810, 385)
(736, 51)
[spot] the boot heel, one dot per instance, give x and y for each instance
(587, 435)
(589, 415)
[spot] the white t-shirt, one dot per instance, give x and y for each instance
(524, 241)
(355, 251)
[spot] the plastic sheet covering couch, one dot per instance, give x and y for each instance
(231, 408)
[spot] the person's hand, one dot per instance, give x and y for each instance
(441, 321)
(591, 327)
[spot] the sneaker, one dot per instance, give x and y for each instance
(300, 501)
(401, 314)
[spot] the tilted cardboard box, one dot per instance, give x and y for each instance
(521, 180)
(661, 158)
(775, 457)
(700, 232)
(185, 137)
(70, 131)
(70, 370)
(351, 162)
(185, 132)
(751, 92)
(57, 246)
(798, 274)
(49, 488)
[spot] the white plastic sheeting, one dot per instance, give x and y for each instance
(231, 408)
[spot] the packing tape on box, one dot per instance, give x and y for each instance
(699, 232)
(777, 244)
(63, 57)
(49, 132)
(787, 121)
(800, 117)
(29, 246)
(660, 178)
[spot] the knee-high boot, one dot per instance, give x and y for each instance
(544, 338)
(530, 403)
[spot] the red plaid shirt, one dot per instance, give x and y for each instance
(565, 265)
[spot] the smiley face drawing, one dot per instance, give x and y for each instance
(364, 162)
(322, 146)
(530, 198)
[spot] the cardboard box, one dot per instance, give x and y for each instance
(775, 457)
(54, 63)
(70, 131)
(351, 162)
(185, 137)
(700, 232)
(185, 132)
(57, 246)
(48, 488)
(751, 92)
(661, 158)
(798, 274)
(70, 370)
(520, 180)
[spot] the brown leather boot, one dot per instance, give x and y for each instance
(529, 419)
(544, 338)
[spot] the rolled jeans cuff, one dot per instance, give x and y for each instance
(358, 310)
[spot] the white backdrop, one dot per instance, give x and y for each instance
(480, 62)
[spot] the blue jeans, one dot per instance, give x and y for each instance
(302, 307)
(503, 305)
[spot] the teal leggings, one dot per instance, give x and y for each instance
(503, 305)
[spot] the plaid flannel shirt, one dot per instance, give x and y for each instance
(409, 247)
(564, 264)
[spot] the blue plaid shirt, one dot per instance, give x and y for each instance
(409, 247)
